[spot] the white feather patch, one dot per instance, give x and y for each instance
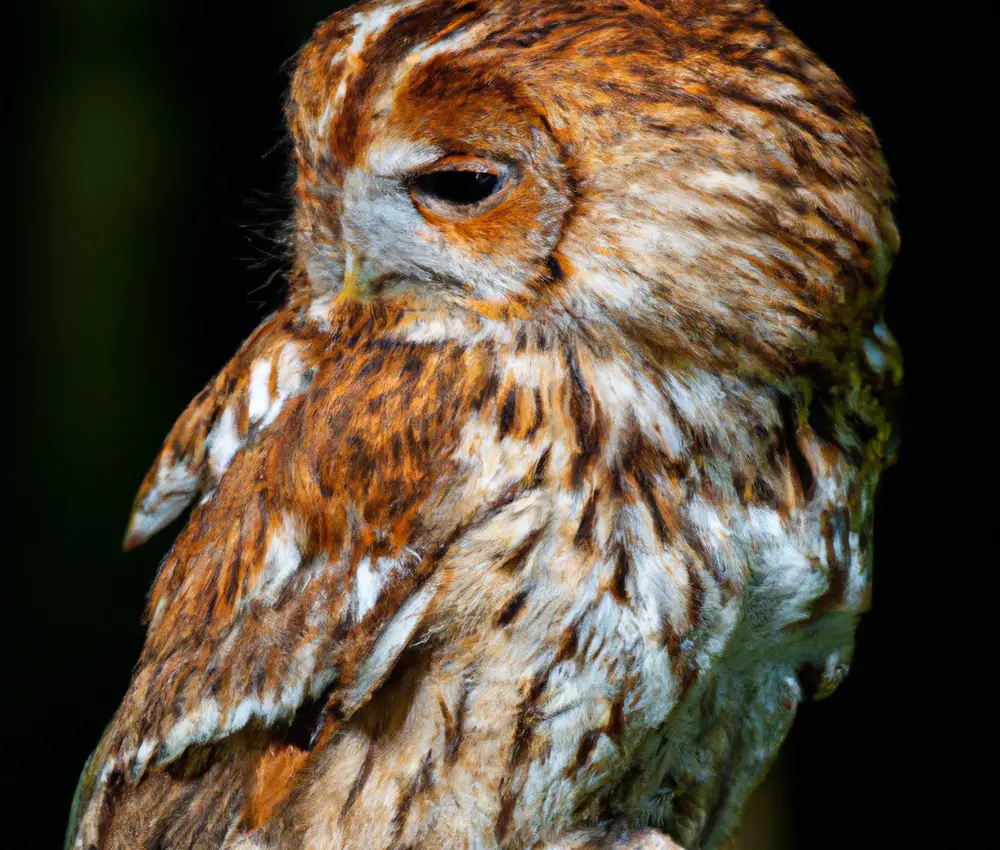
(394, 637)
(223, 442)
(173, 491)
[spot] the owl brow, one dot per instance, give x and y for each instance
(388, 36)
(449, 41)
(368, 27)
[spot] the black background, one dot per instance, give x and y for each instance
(148, 182)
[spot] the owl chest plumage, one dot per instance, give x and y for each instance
(651, 567)
(490, 589)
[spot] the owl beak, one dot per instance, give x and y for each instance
(354, 287)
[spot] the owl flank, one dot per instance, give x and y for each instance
(546, 499)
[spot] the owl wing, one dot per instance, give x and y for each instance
(310, 562)
(229, 414)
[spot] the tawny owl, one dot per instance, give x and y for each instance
(535, 513)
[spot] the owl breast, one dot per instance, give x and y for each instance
(622, 635)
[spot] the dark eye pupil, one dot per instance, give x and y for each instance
(459, 187)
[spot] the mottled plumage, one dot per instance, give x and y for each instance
(538, 509)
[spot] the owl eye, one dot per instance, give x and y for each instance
(460, 188)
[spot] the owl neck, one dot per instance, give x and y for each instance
(680, 395)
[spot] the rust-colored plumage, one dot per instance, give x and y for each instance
(535, 513)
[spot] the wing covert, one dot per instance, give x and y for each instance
(309, 564)
(274, 364)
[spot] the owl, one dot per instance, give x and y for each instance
(545, 500)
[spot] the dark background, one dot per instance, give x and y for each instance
(148, 182)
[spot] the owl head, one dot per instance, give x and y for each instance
(680, 176)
